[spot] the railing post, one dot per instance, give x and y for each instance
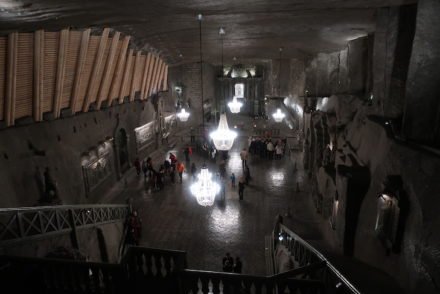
(20, 224)
(73, 233)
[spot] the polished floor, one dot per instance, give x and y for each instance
(173, 219)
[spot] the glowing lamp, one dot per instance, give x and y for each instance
(183, 115)
(235, 106)
(278, 116)
(205, 189)
(223, 137)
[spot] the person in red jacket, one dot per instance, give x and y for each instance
(180, 169)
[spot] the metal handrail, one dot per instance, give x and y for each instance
(24, 223)
(61, 207)
(319, 255)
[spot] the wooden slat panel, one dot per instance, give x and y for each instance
(98, 66)
(158, 87)
(165, 79)
(38, 90)
(76, 91)
(117, 77)
(125, 77)
(11, 82)
(72, 57)
(151, 71)
(115, 48)
(87, 72)
(60, 71)
(156, 77)
(145, 75)
(51, 47)
(135, 79)
(138, 73)
(25, 65)
(3, 50)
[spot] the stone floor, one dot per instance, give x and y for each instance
(172, 218)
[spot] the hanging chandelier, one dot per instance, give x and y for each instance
(235, 106)
(278, 116)
(223, 137)
(205, 189)
(183, 115)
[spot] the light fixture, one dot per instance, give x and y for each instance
(278, 116)
(235, 106)
(223, 137)
(183, 115)
(205, 189)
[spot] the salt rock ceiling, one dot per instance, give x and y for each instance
(255, 29)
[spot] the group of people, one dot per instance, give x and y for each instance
(266, 148)
(231, 266)
(156, 177)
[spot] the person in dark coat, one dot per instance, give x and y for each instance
(137, 165)
(241, 188)
(228, 263)
(238, 265)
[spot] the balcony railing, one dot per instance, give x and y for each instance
(305, 255)
(24, 223)
(165, 271)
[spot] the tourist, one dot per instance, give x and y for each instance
(173, 160)
(193, 171)
(172, 174)
(243, 156)
(159, 177)
(134, 229)
(241, 188)
(144, 169)
(222, 168)
(186, 153)
(278, 151)
(180, 170)
(270, 149)
(137, 165)
(233, 180)
(247, 174)
(238, 265)
(228, 263)
(192, 134)
(167, 166)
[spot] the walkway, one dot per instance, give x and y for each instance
(172, 219)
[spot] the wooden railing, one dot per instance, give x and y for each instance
(24, 223)
(305, 255)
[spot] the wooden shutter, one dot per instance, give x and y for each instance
(70, 71)
(51, 44)
(25, 70)
(3, 48)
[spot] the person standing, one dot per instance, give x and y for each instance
(243, 156)
(180, 170)
(193, 171)
(270, 149)
(144, 169)
(228, 263)
(241, 188)
(137, 165)
(186, 152)
(238, 265)
(233, 180)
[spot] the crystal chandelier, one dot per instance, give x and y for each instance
(183, 115)
(223, 137)
(278, 116)
(205, 189)
(235, 106)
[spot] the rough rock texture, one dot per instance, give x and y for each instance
(415, 262)
(422, 90)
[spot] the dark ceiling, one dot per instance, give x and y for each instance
(255, 29)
